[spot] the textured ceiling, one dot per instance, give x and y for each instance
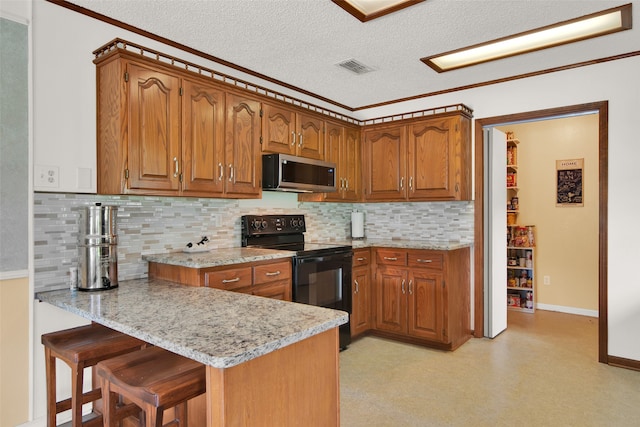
(300, 41)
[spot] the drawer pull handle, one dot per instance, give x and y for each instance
(388, 258)
(237, 279)
(361, 259)
(424, 260)
(275, 273)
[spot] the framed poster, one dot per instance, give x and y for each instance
(569, 189)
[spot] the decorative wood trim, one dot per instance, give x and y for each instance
(164, 40)
(602, 108)
(625, 13)
(106, 19)
(621, 362)
(502, 80)
(364, 17)
(457, 108)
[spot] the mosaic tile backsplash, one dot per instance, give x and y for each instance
(163, 224)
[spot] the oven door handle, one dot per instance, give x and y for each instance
(323, 258)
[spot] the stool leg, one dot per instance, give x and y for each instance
(108, 404)
(50, 368)
(77, 380)
(181, 415)
(152, 415)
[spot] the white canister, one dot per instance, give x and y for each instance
(357, 225)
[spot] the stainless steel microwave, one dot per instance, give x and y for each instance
(282, 172)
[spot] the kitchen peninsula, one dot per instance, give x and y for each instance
(268, 362)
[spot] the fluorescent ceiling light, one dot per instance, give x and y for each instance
(366, 10)
(594, 25)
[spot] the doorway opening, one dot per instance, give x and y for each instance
(601, 108)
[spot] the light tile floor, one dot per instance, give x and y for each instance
(542, 371)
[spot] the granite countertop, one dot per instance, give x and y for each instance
(217, 257)
(215, 327)
(443, 245)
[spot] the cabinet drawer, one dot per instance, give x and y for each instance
(425, 259)
(277, 290)
(231, 279)
(271, 272)
(361, 257)
(391, 257)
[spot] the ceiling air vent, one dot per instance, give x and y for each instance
(355, 66)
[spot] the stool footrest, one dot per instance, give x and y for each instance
(90, 396)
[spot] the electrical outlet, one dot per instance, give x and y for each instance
(47, 176)
(547, 280)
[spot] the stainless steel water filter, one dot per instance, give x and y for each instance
(97, 248)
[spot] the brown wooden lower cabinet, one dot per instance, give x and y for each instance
(361, 292)
(271, 278)
(419, 296)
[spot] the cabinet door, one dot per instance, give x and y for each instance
(361, 306)
(243, 157)
(426, 305)
(334, 144)
(391, 307)
(310, 136)
(385, 154)
(351, 165)
(278, 130)
(154, 130)
(433, 149)
(203, 139)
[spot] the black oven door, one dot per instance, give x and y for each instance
(325, 281)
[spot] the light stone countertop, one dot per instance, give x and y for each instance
(218, 328)
(238, 255)
(442, 245)
(217, 257)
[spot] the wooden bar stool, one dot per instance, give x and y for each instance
(153, 379)
(80, 348)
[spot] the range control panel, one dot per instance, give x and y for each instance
(256, 225)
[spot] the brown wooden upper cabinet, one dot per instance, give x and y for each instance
(162, 132)
(420, 159)
(293, 132)
(343, 148)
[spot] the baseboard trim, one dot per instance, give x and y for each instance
(569, 310)
(622, 362)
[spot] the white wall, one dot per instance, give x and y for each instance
(64, 136)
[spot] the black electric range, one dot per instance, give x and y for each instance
(321, 271)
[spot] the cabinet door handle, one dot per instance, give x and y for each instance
(346, 180)
(388, 258)
(231, 175)
(410, 283)
(221, 168)
(361, 259)
(402, 285)
(274, 273)
(300, 136)
(402, 183)
(424, 260)
(237, 279)
(293, 138)
(410, 183)
(357, 286)
(175, 163)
